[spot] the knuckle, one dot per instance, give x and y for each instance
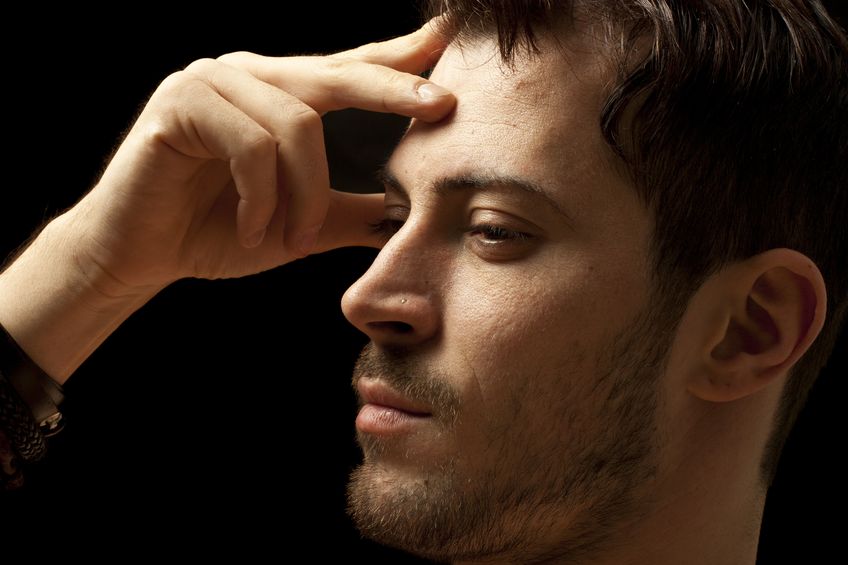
(337, 73)
(175, 88)
(366, 51)
(334, 67)
(303, 119)
(396, 85)
(398, 80)
(187, 84)
(259, 144)
(235, 58)
(154, 131)
(172, 82)
(202, 66)
(168, 111)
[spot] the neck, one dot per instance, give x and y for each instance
(709, 500)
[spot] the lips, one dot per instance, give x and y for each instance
(378, 393)
(386, 413)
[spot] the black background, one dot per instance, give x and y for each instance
(220, 416)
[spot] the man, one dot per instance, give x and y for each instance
(581, 337)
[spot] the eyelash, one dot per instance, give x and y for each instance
(387, 227)
(498, 233)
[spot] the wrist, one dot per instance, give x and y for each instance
(58, 304)
(84, 261)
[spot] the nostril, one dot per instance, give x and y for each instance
(396, 327)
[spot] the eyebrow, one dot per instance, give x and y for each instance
(480, 182)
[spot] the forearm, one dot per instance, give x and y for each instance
(56, 306)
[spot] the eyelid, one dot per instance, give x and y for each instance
(498, 236)
(396, 212)
(494, 226)
(494, 244)
(505, 220)
(395, 195)
(390, 224)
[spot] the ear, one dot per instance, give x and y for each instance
(751, 322)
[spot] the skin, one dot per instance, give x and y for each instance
(532, 344)
(480, 307)
(526, 349)
(533, 381)
(223, 175)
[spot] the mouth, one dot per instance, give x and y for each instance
(385, 411)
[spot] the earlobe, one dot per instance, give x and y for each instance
(772, 308)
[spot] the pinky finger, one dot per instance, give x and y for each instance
(254, 169)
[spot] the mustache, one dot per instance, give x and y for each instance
(410, 377)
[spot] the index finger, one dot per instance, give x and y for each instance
(412, 53)
(356, 79)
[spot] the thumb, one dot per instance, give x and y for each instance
(350, 221)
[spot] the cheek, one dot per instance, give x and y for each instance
(517, 330)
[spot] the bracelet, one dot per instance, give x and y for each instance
(19, 425)
(29, 401)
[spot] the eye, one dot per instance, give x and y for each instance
(391, 223)
(494, 242)
(387, 226)
(497, 234)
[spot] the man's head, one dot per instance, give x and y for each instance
(604, 264)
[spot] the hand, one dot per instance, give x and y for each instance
(224, 173)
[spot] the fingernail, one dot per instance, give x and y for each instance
(307, 241)
(428, 92)
(255, 238)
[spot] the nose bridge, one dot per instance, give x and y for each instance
(405, 265)
(397, 298)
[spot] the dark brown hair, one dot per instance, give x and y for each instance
(734, 128)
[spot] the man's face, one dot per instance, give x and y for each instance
(511, 379)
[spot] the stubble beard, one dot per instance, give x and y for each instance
(576, 482)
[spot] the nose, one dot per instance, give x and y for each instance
(396, 302)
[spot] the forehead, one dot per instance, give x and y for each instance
(570, 68)
(536, 119)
